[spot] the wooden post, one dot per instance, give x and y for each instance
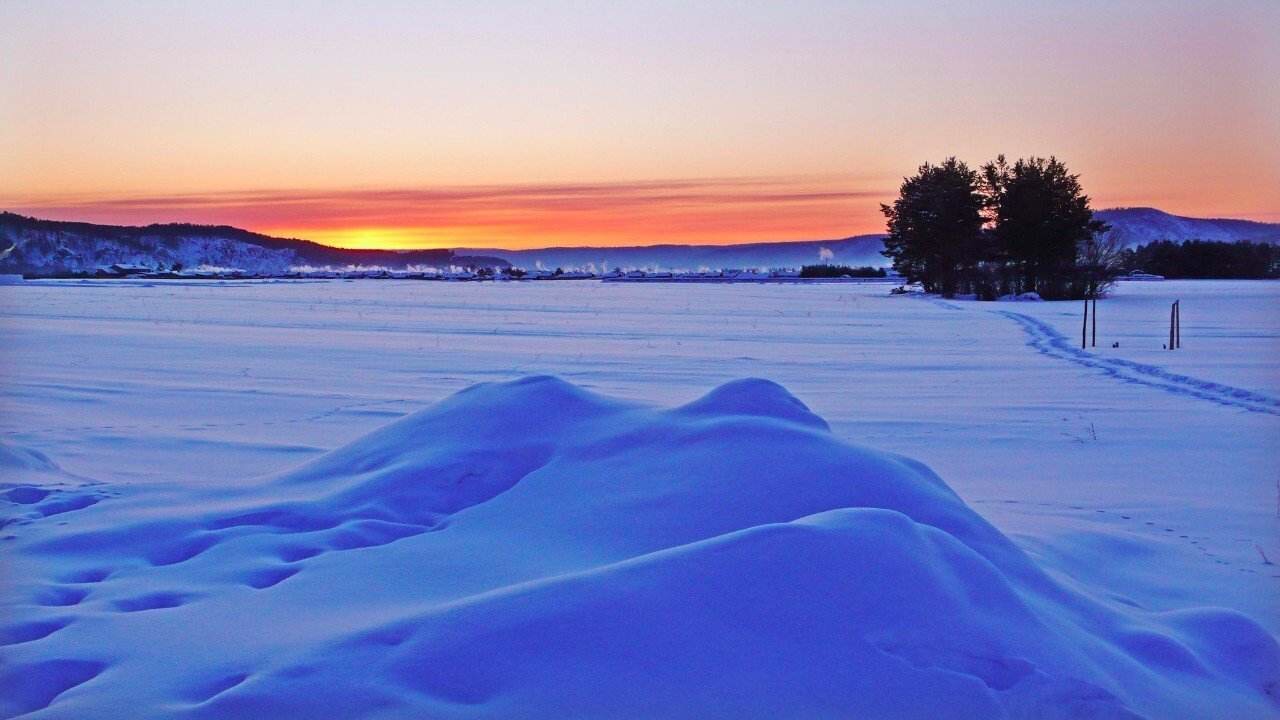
(1173, 310)
(1177, 326)
(1093, 340)
(1084, 325)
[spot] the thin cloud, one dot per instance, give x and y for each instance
(660, 208)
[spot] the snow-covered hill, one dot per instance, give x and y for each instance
(1141, 225)
(47, 247)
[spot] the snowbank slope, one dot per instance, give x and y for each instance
(530, 549)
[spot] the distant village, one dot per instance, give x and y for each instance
(815, 274)
(806, 274)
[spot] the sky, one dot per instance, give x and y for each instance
(528, 124)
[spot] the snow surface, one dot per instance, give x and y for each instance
(180, 543)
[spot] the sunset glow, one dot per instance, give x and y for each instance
(522, 126)
(703, 211)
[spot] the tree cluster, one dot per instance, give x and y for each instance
(1004, 229)
(1204, 259)
(836, 271)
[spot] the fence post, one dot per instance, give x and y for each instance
(1177, 327)
(1173, 309)
(1084, 324)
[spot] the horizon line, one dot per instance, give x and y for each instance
(523, 216)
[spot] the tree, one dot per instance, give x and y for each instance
(1099, 261)
(1201, 259)
(935, 227)
(836, 271)
(1040, 222)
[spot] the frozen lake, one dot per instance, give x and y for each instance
(1142, 476)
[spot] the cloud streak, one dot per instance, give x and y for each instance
(514, 215)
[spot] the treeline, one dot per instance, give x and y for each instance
(1204, 259)
(836, 271)
(1003, 229)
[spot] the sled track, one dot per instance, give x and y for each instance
(1047, 341)
(943, 303)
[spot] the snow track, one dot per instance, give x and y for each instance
(1048, 341)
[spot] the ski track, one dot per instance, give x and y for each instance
(944, 304)
(1048, 341)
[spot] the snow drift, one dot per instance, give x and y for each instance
(531, 549)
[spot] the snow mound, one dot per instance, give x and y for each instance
(531, 549)
(1030, 296)
(24, 459)
(33, 487)
(753, 397)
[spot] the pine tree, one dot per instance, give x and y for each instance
(1040, 224)
(935, 227)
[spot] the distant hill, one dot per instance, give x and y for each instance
(29, 245)
(1133, 226)
(50, 247)
(858, 250)
(1142, 225)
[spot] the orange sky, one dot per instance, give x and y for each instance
(705, 211)
(532, 124)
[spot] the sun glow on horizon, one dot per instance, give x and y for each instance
(367, 238)
(513, 216)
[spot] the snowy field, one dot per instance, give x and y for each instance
(179, 543)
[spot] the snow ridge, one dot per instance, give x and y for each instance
(532, 549)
